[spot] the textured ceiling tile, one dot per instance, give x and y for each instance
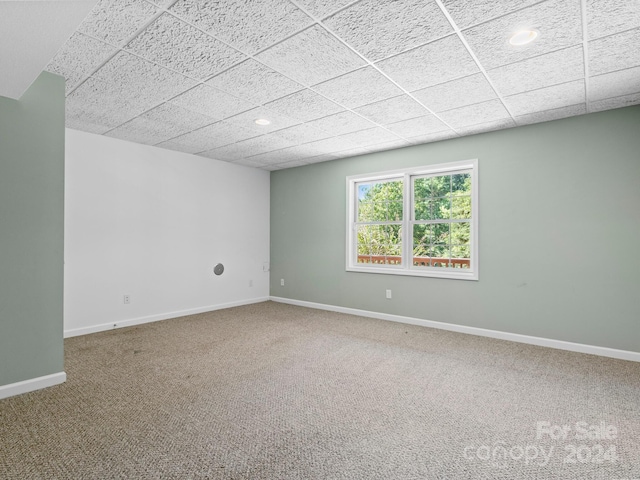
(311, 57)
(248, 26)
(85, 124)
(304, 105)
(554, 114)
(302, 133)
(180, 119)
(548, 98)
(255, 82)
(557, 20)
(418, 126)
(78, 57)
(137, 77)
(456, 93)
(381, 28)
(617, 102)
(353, 152)
(331, 145)
(212, 136)
(183, 48)
(605, 17)
(340, 123)
(211, 102)
(487, 127)
(393, 110)
(139, 130)
(292, 164)
(179, 146)
(392, 145)
(543, 71)
(483, 112)
(433, 137)
(615, 84)
(247, 120)
(471, 12)
(325, 157)
(114, 21)
(286, 155)
(247, 148)
(371, 136)
(361, 87)
(322, 8)
(615, 52)
(434, 63)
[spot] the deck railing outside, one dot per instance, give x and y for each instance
(417, 261)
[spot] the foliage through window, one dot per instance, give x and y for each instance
(437, 205)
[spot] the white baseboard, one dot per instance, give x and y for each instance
(514, 337)
(37, 383)
(74, 332)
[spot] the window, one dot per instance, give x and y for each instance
(422, 221)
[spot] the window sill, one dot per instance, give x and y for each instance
(452, 275)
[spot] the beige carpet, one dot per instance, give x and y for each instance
(272, 391)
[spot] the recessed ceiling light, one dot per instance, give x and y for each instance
(523, 37)
(262, 121)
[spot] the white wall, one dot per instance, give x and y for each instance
(152, 224)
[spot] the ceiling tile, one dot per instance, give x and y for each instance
(332, 145)
(431, 64)
(361, 87)
(456, 93)
(114, 21)
(559, 23)
(418, 126)
(311, 57)
(372, 136)
(340, 123)
(542, 71)
(490, 126)
(325, 157)
(605, 17)
(433, 137)
(248, 26)
(78, 57)
(295, 163)
(85, 124)
(285, 155)
(247, 148)
(617, 102)
(304, 105)
(302, 133)
(614, 52)
(615, 84)
(255, 82)
(353, 152)
(548, 98)
(183, 48)
(392, 145)
(247, 120)
(483, 112)
(140, 130)
(381, 28)
(554, 114)
(393, 110)
(322, 8)
(212, 136)
(179, 119)
(211, 102)
(138, 78)
(469, 12)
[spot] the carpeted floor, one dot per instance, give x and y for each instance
(273, 391)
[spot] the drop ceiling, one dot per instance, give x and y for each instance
(338, 78)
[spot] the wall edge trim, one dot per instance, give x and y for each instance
(482, 332)
(25, 386)
(75, 332)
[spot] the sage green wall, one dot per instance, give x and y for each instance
(559, 233)
(31, 231)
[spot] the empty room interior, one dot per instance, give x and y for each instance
(319, 239)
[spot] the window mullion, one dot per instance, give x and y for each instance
(407, 216)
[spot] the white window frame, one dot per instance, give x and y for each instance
(407, 267)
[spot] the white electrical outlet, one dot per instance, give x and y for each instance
(282, 282)
(127, 299)
(388, 293)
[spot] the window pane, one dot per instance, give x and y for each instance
(461, 207)
(461, 184)
(379, 244)
(421, 189)
(460, 233)
(441, 208)
(379, 201)
(439, 256)
(461, 256)
(422, 210)
(439, 186)
(441, 234)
